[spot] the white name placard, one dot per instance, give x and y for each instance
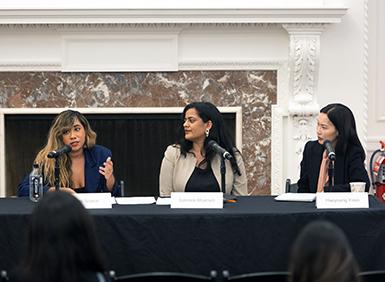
(342, 200)
(196, 200)
(95, 200)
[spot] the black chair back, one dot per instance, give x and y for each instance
(291, 188)
(166, 277)
(373, 276)
(275, 276)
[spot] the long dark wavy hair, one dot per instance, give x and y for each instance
(218, 132)
(62, 122)
(61, 244)
(343, 120)
(322, 253)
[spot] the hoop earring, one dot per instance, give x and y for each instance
(207, 132)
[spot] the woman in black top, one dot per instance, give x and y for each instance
(335, 123)
(192, 165)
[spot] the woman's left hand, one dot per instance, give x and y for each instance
(107, 169)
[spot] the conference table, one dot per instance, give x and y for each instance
(254, 234)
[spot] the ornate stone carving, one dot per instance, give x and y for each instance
(303, 67)
(303, 80)
(304, 128)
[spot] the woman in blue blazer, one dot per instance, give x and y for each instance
(87, 168)
(335, 123)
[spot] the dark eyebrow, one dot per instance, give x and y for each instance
(320, 123)
(64, 130)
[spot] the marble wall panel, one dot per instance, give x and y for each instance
(254, 90)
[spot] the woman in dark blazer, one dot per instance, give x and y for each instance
(87, 168)
(335, 123)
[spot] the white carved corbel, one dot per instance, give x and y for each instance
(303, 67)
(303, 80)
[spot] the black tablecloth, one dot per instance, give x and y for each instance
(254, 234)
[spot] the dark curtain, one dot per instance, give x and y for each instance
(137, 142)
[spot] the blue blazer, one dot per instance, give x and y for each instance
(95, 182)
(347, 168)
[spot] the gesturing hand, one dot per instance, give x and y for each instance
(107, 169)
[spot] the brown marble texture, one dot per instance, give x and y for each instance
(255, 91)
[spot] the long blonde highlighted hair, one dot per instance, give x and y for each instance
(62, 123)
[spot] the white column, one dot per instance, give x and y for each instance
(303, 108)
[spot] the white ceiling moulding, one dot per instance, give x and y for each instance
(324, 14)
(156, 4)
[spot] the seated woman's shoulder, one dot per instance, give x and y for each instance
(355, 151)
(313, 145)
(100, 150)
(175, 146)
(353, 148)
(172, 151)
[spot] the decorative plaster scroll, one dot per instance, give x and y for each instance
(303, 66)
(304, 128)
(303, 79)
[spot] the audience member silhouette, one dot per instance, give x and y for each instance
(61, 245)
(322, 253)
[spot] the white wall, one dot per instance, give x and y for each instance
(343, 70)
(376, 83)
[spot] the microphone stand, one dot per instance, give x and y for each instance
(331, 174)
(223, 175)
(57, 174)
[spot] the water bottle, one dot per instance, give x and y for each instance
(35, 184)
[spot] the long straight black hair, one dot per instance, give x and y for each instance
(343, 120)
(61, 244)
(218, 132)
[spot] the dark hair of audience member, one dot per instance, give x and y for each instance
(322, 253)
(61, 244)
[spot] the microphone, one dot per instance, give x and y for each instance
(218, 149)
(331, 154)
(63, 150)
